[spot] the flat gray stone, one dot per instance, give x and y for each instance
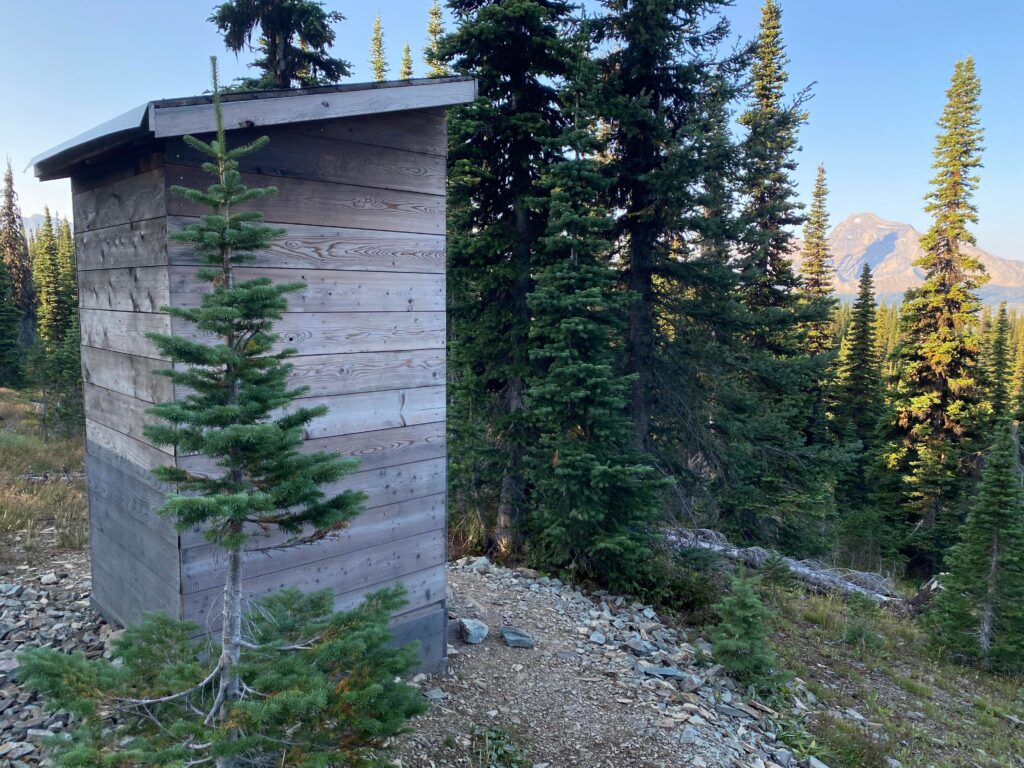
(473, 631)
(517, 638)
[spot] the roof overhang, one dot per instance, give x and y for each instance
(249, 109)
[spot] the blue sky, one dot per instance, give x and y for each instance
(880, 67)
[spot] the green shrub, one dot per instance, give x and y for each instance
(319, 688)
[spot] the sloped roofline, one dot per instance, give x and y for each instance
(247, 109)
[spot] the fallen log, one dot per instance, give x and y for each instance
(816, 576)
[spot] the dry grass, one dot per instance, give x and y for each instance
(41, 485)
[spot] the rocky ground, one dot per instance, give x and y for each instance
(605, 684)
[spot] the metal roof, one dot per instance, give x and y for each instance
(247, 109)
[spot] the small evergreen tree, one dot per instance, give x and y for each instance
(378, 60)
(740, 641)
(939, 404)
(979, 614)
(48, 281)
(283, 63)
(405, 72)
(14, 253)
(436, 64)
(298, 685)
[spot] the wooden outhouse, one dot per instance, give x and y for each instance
(360, 171)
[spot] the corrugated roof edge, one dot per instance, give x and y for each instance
(174, 117)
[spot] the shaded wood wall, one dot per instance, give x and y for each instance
(362, 200)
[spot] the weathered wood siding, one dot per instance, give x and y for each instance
(362, 200)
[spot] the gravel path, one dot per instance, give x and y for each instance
(605, 685)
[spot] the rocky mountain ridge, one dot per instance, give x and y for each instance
(890, 249)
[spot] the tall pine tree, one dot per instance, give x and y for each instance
(378, 59)
(499, 147)
(938, 401)
(816, 267)
(979, 614)
(15, 255)
(282, 63)
(436, 64)
(10, 332)
(405, 71)
(594, 495)
(48, 281)
(781, 487)
(998, 365)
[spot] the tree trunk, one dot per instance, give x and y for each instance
(231, 644)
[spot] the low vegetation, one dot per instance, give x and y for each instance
(42, 486)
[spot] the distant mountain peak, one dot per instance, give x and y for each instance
(890, 249)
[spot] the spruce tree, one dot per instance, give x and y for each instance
(938, 402)
(998, 365)
(781, 490)
(594, 495)
(405, 72)
(291, 682)
(979, 614)
(436, 64)
(283, 62)
(740, 641)
(49, 281)
(10, 332)
(663, 83)
(499, 146)
(15, 255)
(816, 268)
(378, 60)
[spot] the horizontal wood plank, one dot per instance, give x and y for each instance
(371, 411)
(124, 587)
(121, 412)
(137, 244)
(128, 374)
(143, 455)
(130, 498)
(126, 289)
(122, 331)
(296, 155)
(320, 203)
(131, 199)
(368, 371)
(415, 131)
(324, 333)
(326, 290)
(340, 248)
(344, 574)
(203, 566)
(172, 120)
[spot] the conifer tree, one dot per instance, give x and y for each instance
(436, 64)
(15, 255)
(594, 495)
(499, 145)
(859, 412)
(817, 269)
(997, 365)
(48, 280)
(979, 614)
(740, 640)
(772, 496)
(378, 59)
(292, 683)
(283, 61)
(10, 332)
(405, 72)
(938, 401)
(663, 83)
